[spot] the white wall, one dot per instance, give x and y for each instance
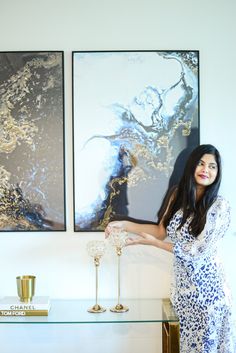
(59, 260)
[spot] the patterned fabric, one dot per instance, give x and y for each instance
(200, 294)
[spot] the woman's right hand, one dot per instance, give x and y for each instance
(112, 225)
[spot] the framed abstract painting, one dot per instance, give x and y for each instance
(135, 120)
(32, 187)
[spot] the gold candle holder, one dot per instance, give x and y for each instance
(118, 240)
(96, 249)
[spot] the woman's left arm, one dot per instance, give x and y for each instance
(148, 239)
(217, 223)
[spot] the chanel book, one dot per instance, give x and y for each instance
(37, 304)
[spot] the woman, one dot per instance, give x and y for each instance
(195, 217)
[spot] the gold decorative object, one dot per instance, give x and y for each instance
(118, 240)
(25, 287)
(96, 249)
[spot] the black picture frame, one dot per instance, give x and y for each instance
(32, 147)
(135, 120)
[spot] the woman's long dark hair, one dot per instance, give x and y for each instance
(183, 196)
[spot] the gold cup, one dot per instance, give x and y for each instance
(25, 287)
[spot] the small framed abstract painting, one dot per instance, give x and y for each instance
(32, 187)
(135, 120)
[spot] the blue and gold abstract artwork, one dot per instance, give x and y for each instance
(135, 119)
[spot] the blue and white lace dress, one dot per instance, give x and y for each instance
(200, 294)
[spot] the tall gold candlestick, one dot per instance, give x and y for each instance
(96, 249)
(118, 238)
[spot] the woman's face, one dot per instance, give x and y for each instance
(206, 170)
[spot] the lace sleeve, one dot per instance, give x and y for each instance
(217, 223)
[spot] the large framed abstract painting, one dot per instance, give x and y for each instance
(32, 191)
(135, 120)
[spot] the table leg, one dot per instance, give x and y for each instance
(170, 337)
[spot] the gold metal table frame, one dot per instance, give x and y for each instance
(170, 330)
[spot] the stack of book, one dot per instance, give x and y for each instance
(12, 306)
